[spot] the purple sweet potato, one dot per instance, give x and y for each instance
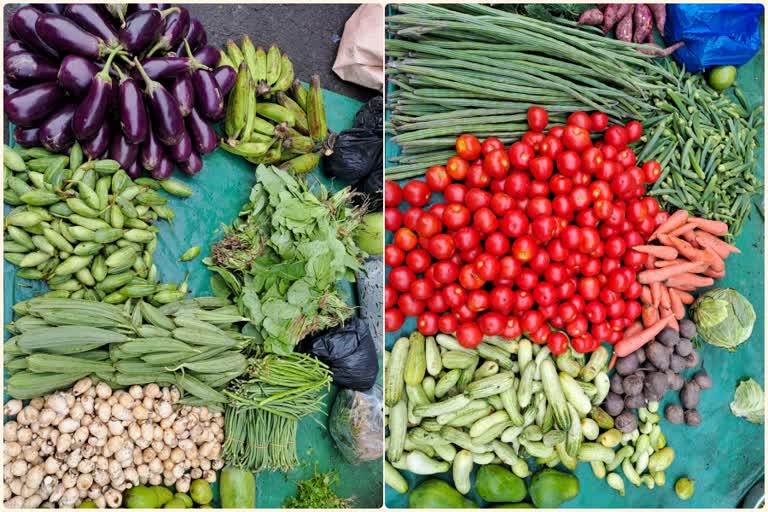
(657, 51)
(624, 27)
(623, 10)
(643, 23)
(591, 17)
(659, 15)
(609, 17)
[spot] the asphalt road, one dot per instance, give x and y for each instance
(309, 34)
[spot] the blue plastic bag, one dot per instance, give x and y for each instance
(714, 34)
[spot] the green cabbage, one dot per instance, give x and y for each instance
(749, 401)
(724, 318)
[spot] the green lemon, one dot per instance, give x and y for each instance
(140, 496)
(175, 503)
(721, 77)
(164, 495)
(201, 492)
(185, 498)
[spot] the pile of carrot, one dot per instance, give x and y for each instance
(690, 255)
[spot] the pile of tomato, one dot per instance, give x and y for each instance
(535, 238)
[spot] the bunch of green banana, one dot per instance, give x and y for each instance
(272, 118)
(85, 227)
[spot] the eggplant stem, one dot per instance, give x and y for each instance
(148, 81)
(104, 73)
(168, 11)
(120, 73)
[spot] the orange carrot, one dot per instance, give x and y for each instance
(633, 329)
(677, 304)
(650, 315)
(714, 227)
(664, 239)
(645, 296)
(665, 300)
(714, 274)
(659, 251)
(687, 279)
(685, 297)
(631, 343)
(656, 294)
(674, 221)
(669, 263)
(723, 249)
(673, 323)
(685, 228)
(614, 358)
(690, 238)
(716, 263)
(687, 250)
(687, 287)
(660, 274)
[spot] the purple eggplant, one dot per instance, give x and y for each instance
(225, 76)
(9, 89)
(75, 74)
(163, 169)
(207, 56)
(31, 104)
(204, 137)
(181, 150)
(184, 92)
(208, 97)
(166, 115)
(68, 37)
(99, 143)
(26, 137)
(134, 170)
(133, 113)
(92, 19)
(14, 47)
(56, 132)
(29, 68)
(92, 110)
(196, 37)
(23, 25)
(191, 166)
(142, 28)
(120, 150)
(151, 151)
(160, 68)
(176, 27)
(53, 8)
(118, 12)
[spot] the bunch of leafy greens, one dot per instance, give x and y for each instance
(282, 258)
(317, 493)
(749, 401)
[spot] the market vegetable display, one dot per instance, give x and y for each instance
(724, 317)
(317, 493)
(283, 255)
(189, 343)
(292, 129)
(749, 401)
(84, 74)
(92, 443)
(86, 228)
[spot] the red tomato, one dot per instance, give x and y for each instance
(591, 267)
(634, 131)
(441, 246)
(468, 147)
(541, 167)
(601, 331)
(598, 121)
(427, 323)
(539, 188)
(590, 239)
(609, 170)
(464, 313)
(538, 205)
(496, 163)
(537, 118)
(571, 237)
(390, 296)
(485, 221)
(466, 238)
(580, 119)
(531, 320)
(595, 312)
(527, 279)
(626, 157)
(616, 308)
(456, 216)
(393, 195)
(436, 302)
(405, 239)
(411, 216)
(469, 279)
(634, 259)
(581, 178)
(634, 290)
(550, 147)
(533, 139)
(477, 177)
(448, 323)
(491, 144)
(437, 178)
(651, 171)
(540, 261)
(517, 184)
(428, 225)
(568, 163)
(471, 255)
(557, 343)
(487, 267)
(509, 267)
(616, 136)
(393, 255)
(556, 131)
(502, 299)
(520, 155)
(592, 159)
(511, 329)
(543, 228)
(615, 246)
(418, 260)
(556, 273)
(393, 320)
(477, 198)
(576, 138)
(560, 184)
(455, 193)
(491, 323)
(457, 168)
(582, 344)
(497, 244)
(580, 197)
(540, 335)
(622, 185)
(497, 186)
(416, 193)
(446, 271)
(469, 335)
(523, 301)
(514, 223)
(455, 295)
(401, 278)
(632, 309)
(478, 300)
(524, 248)
(409, 305)
(577, 326)
(557, 250)
(501, 203)
(567, 311)
(545, 294)
(589, 288)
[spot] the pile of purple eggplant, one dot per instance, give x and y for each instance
(130, 82)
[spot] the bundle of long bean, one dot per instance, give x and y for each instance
(265, 407)
(706, 144)
(474, 68)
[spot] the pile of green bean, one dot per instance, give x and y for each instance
(476, 69)
(706, 143)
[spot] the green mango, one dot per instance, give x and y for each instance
(495, 484)
(164, 495)
(141, 496)
(184, 498)
(237, 488)
(549, 488)
(175, 503)
(438, 494)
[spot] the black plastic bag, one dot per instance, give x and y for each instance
(349, 352)
(356, 153)
(372, 186)
(371, 115)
